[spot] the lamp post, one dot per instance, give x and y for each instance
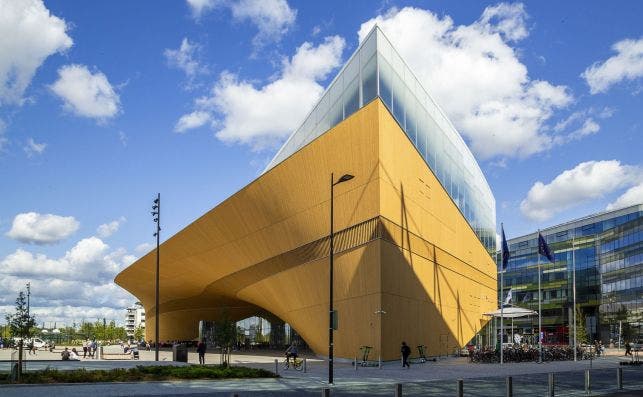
(28, 296)
(156, 212)
(331, 311)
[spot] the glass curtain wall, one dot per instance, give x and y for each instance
(607, 251)
(377, 70)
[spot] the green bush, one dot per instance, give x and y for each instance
(141, 373)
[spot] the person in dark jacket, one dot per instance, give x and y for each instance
(406, 352)
(200, 348)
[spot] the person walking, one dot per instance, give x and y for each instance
(628, 349)
(200, 348)
(406, 352)
(85, 347)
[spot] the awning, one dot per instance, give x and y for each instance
(511, 312)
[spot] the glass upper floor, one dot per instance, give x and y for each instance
(377, 70)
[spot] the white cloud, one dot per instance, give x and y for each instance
(627, 64)
(107, 229)
(263, 116)
(588, 180)
(35, 228)
(123, 138)
(183, 58)
(28, 35)
(476, 76)
(144, 248)
(632, 196)
(86, 94)
(78, 285)
(273, 18)
(32, 148)
(199, 7)
(192, 120)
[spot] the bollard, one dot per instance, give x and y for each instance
(588, 382)
(619, 378)
(305, 368)
(509, 386)
(552, 385)
(234, 395)
(398, 390)
(379, 362)
(460, 392)
(276, 367)
(325, 392)
(355, 363)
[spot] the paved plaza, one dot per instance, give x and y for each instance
(431, 378)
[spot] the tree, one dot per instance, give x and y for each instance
(139, 332)
(581, 330)
(22, 325)
(225, 334)
(627, 332)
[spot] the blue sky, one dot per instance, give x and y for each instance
(104, 104)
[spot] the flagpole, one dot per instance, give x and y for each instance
(540, 312)
(574, 287)
(502, 294)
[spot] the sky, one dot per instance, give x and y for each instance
(105, 104)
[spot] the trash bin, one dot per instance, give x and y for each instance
(180, 353)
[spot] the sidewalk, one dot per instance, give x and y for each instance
(431, 378)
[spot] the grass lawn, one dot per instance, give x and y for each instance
(141, 373)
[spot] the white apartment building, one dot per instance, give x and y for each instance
(134, 318)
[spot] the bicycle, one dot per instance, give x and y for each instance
(297, 363)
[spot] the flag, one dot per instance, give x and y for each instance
(505, 249)
(543, 248)
(508, 300)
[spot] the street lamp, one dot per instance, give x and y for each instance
(332, 316)
(156, 213)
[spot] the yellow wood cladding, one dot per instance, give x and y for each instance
(427, 283)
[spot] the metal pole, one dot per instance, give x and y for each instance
(460, 392)
(619, 378)
(540, 314)
(28, 296)
(156, 313)
(330, 280)
(509, 386)
(551, 384)
(588, 382)
(574, 289)
(502, 297)
(398, 390)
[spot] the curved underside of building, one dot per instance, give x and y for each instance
(408, 266)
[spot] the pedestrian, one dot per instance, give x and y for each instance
(406, 352)
(85, 347)
(93, 346)
(628, 349)
(201, 350)
(148, 346)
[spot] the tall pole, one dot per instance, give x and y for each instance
(330, 304)
(502, 297)
(574, 288)
(540, 313)
(158, 238)
(331, 310)
(28, 296)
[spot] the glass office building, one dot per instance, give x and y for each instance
(606, 250)
(377, 70)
